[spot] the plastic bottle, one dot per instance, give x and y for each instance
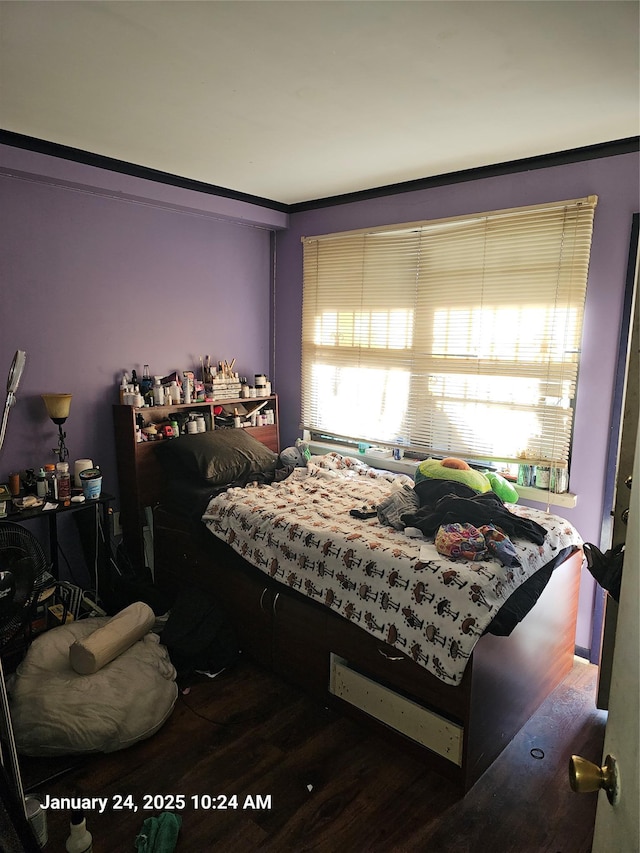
(41, 484)
(63, 480)
(158, 392)
(52, 483)
(146, 385)
(80, 839)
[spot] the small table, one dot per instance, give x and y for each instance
(99, 505)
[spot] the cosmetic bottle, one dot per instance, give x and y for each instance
(158, 392)
(52, 484)
(41, 484)
(80, 839)
(63, 479)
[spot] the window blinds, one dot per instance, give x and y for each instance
(451, 337)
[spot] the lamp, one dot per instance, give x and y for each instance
(58, 406)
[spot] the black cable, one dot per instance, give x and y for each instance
(206, 719)
(70, 570)
(202, 716)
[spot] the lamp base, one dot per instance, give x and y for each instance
(61, 449)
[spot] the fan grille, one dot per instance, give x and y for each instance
(23, 574)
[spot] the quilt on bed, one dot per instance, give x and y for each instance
(300, 531)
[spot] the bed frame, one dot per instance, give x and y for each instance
(458, 731)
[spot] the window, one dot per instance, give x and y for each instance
(452, 337)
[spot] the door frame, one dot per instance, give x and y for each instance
(615, 432)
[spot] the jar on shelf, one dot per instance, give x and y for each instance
(542, 477)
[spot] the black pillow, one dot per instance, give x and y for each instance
(217, 457)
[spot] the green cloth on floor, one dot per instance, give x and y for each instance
(159, 834)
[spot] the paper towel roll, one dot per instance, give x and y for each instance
(78, 466)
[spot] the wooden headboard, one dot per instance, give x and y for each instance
(140, 476)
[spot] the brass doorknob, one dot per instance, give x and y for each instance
(585, 776)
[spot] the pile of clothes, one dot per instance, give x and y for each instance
(464, 523)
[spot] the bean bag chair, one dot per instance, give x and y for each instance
(124, 690)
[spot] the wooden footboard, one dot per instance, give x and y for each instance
(458, 731)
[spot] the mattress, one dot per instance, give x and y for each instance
(301, 532)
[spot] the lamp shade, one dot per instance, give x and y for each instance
(58, 406)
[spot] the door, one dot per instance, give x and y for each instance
(621, 452)
(617, 825)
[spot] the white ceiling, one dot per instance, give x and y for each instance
(293, 100)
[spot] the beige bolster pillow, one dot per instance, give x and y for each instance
(122, 631)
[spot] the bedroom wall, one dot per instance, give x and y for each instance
(615, 180)
(101, 272)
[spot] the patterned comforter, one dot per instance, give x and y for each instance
(301, 533)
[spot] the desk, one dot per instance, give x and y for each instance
(99, 505)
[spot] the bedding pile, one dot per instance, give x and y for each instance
(318, 532)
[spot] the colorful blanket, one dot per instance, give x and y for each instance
(302, 532)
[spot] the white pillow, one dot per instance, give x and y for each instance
(106, 643)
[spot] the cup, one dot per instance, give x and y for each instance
(14, 484)
(37, 818)
(91, 480)
(79, 466)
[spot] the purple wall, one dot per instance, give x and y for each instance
(615, 180)
(102, 272)
(94, 282)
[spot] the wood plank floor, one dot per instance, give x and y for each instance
(332, 785)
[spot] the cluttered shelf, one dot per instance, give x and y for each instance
(148, 423)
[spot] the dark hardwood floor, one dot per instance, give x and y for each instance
(332, 786)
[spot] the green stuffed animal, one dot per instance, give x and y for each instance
(505, 490)
(460, 471)
(452, 469)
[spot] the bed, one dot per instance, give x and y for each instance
(447, 658)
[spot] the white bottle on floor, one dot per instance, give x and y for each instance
(80, 839)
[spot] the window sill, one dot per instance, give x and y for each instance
(408, 466)
(529, 493)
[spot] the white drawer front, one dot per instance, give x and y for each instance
(412, 720)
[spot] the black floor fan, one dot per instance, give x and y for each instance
(24, 574)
